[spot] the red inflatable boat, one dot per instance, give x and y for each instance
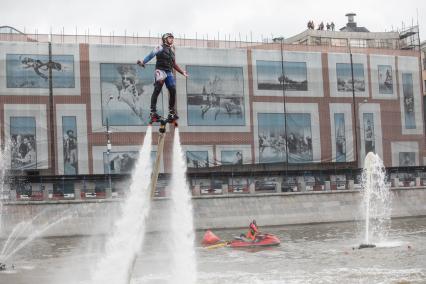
(210, 240)
(265, 240)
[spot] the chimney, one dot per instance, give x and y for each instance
(351, 23)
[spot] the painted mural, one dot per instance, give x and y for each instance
(407, 90)
(231, 157)
(369, 136)
(32, 71)
(273, 138)
(344, 77)
(385, 79)
(23, 143)
(126, 94)
(197, 159)
(215, 96)
(69, 135)
(270, 75)
(339, 132)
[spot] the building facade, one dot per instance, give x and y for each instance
(298, 106)
(423, 58)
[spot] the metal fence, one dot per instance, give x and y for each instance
(409, 39)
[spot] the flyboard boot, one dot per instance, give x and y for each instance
(154, 117)
(172, 117)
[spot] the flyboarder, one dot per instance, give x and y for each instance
(164, 66)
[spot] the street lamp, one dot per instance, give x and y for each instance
(281, 41)
(353, 102)
(109, 146)
(51, 109)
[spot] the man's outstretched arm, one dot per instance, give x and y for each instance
(150, 56)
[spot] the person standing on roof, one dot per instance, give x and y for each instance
(165, 55)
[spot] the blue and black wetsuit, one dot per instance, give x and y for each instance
(164, 74)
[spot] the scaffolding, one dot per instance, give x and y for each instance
(410, 38)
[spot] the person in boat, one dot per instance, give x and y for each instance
(164, 66)
(253, 231)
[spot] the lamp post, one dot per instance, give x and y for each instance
(281, 40)
(51, 110)
(109, 146)
(355, 109)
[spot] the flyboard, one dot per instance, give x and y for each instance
(160, 146)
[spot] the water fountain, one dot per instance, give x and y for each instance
(376, 202)
(3, 152)
(23, 233)
(184, 260)
(127, 237)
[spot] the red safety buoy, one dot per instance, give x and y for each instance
(210, 238)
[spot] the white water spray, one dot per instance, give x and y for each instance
(3, 153)
(126, 240)
(184, 268)
(14, 243)
(376, 204)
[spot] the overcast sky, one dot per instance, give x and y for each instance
(265, 18)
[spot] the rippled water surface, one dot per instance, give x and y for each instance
(308, 254)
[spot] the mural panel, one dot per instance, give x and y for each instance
(369, 138)
(231, 157)
(69, 135)
(270, 75)
(339, 132)
(123, 162)
(407, 90)
(272, 137)
(385, 79)
(344, 77)
(272, 144)
(215, 96)
(197, 159)
(299, 137)
(32, 71)
(126, 94)
(120, 162)
(23, 143)
(407, 159)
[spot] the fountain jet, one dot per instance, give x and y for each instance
(376, 202)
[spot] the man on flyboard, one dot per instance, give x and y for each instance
(166, 62)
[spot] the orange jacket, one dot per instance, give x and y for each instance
(252, 232)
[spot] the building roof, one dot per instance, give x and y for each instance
(342, 35)
(9, 30)
(354, 29)
(356, 36)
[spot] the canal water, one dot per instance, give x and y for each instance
(321, 253)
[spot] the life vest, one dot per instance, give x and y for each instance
(252, 232)
(165, 58)
(250, 235)
(253, 227)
